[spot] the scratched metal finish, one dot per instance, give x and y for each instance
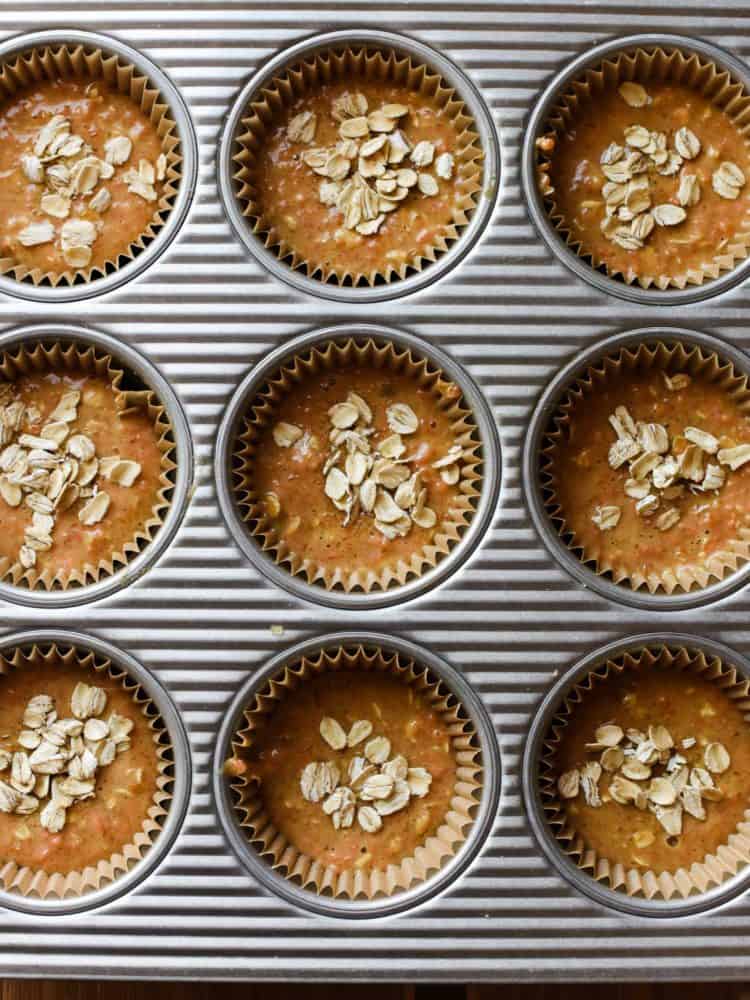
(511, 620)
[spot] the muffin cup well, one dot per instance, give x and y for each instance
(666, 349)
(159, 96)
(357, 893)
(253, 405)
(723, 873)
(353, 64)
(76, 61)
(331, 356)
(669, 358)
(374, 53)
(139, 375)
(35, 884)
(638, 58)
(70, 357)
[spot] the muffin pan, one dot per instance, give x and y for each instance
(205, 622)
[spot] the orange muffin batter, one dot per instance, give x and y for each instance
(579, 178)
(97, 827)
(289, 198)
(75, 539)
(292, 480)
(290, 739)
(709, 520)
(689, 707)
(96, 113)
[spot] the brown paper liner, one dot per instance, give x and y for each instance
(350, 64)
(80, 62)
(429, 857)
(328, 356)
(30, 882)
(671, 358)
(70, 357)
(717, 867)
(644, 66)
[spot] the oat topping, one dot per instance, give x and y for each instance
(660, 468)
(52, 469)
(365, 178)
(630, 215)
(375, 479)
(647, 771)
(634, 94)
(728, 180)
(369, 786)
(606, 517)
(285, 435)
(71, 180)
(58, 764)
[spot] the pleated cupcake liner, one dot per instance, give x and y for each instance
(717, 866)
(644, 66)
(433, 853)
(35, 883)
(330, 356)
(84, 359)
(352, 64)
(670, 358)
(43, 63)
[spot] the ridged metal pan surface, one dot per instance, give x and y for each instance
(510, 620)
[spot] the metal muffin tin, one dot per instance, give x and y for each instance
(510, 620)
(537, 126)
(14, 47)
(358, 909)
(180, 786)
(145, 372)
(540, 422)
(422, 53)
(231, 425)
(581, 880)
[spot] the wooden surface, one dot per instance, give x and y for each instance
(17, 990)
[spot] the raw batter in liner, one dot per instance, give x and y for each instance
(583, 477)
(290, 739)
(132, 437)
(96, 113)
(308, 521)
(689, 707)
(95, 828)
(577, 177)
(286, 189)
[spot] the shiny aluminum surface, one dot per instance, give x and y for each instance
(536, 127)
(231, 427)
(361, 909)
(451, 75)
(510, 621)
